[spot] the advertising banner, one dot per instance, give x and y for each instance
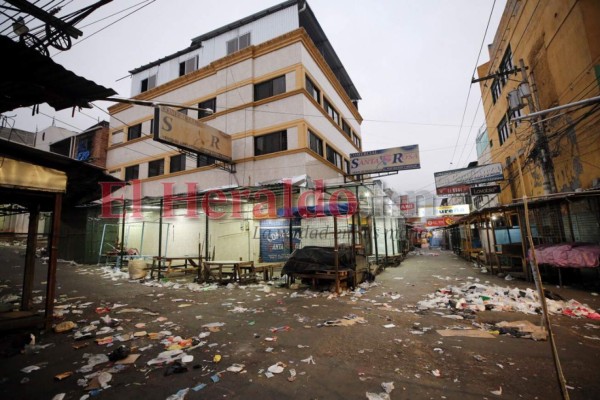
(459, 209)
(438, 222)
(485, 190)
(385, 160)
(275, 239)
(179, 130)
(468, 176)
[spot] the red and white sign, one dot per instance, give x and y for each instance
(407, 206)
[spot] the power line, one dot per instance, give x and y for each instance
(470, 84)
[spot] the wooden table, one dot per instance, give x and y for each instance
(235, 271)
(171, 263)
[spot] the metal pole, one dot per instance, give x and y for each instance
(52, 256)
(375, 230)
(121, 250)
(336, 255)
(385, 238)
(29, 273)
(160, 237)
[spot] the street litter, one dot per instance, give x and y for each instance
(199, 387)
(63, 375)
(130, 359)
(292, 376)
(65, 326)
(389, 326)
(309, 360)
(523, 329)
(30, 369)
(346, 321)
(180, 395)
(479, 297)
(235, 368)
(436, 373)
(497, 392)
(474, 333)
(277, 368)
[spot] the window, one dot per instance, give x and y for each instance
(315, 143)
(356, 140)
(347, 166)
(505, 65)
(148, 83)
(269, 88)
(512, 114)
(503, 130)
(331, 111)
(177, 163)
(156, 167)
(312, 89)
(187, 66)
(271, 143)
(210, 104)
(203, 160)
(334, 157)
(346, 129)
(132, 172)
(496, 90)
(134, 132)
(239, 43)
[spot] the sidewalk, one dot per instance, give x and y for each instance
(265, 332)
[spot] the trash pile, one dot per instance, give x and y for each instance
(474, 297)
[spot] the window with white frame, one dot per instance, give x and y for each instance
(187, 66)
(148, 83)
(332, 112)
(503, 130)
(238, 43)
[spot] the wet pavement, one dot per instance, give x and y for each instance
(269, 342)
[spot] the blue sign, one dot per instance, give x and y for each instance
(275, 238)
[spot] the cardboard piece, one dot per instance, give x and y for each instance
(474, 333)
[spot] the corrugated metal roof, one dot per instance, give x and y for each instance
(31, 78)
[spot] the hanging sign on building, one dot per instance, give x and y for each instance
(485, 190)
(460, 179)
(458, 209)
(441, 221)
(177, 129)
(385, 160)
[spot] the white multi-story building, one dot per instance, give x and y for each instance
(275, 87)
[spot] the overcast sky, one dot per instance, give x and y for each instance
(411, 61)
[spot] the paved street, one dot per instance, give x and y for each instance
(333, 357)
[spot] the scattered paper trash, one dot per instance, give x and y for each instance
(497, 392)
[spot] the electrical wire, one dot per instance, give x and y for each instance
(470, 84)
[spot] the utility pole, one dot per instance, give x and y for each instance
(549, 184)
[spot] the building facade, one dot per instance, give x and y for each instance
(545, 54)
(274, 86)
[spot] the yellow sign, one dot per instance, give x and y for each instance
(173, 127)
(23, 175)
